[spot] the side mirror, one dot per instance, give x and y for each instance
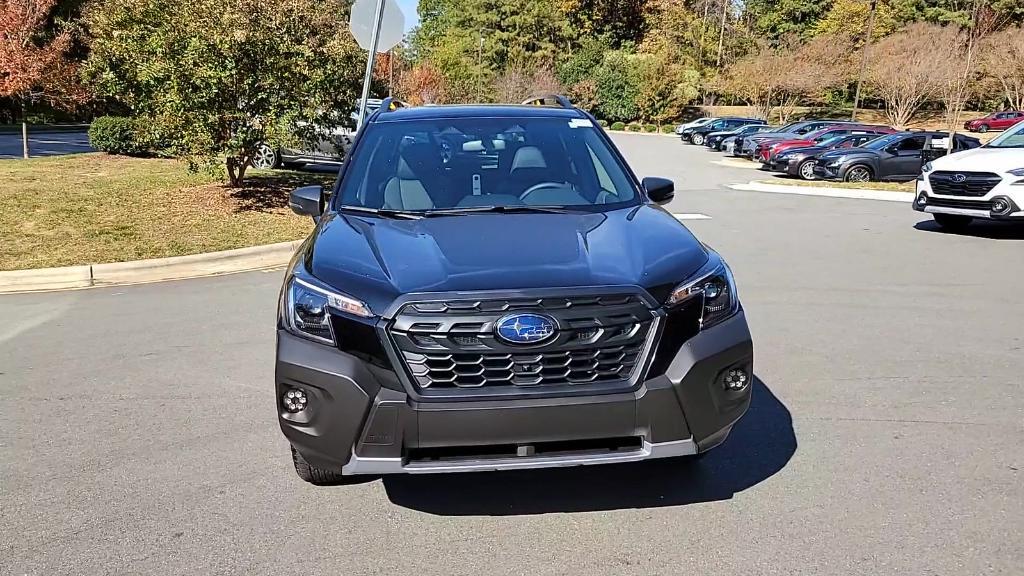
(660, 190)
(307, 201)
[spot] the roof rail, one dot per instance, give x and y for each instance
(389, 104)
(548, 100)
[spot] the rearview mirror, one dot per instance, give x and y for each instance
(659, 190)
(307, 201)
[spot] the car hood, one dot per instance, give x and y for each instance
(376, 259)
(805, 151)
(722, 133)
(982, 160)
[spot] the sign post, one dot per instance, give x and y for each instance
(377, 26)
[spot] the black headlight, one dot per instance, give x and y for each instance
(715, 286)
(306, 310)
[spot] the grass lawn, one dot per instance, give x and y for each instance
(890, 186)
(95, 208)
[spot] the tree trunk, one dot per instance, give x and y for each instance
(233, 178)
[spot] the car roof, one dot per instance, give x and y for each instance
(449, 111)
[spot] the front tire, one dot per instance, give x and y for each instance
(983, 128)
(952, 222)
(697, 139)
(858, 173)
(319, 476)
(265, 158)
(806, 170)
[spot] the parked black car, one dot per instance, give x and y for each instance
(895, 157)
(800, 161)
(697, 134)
(492, 288)
(714, 140)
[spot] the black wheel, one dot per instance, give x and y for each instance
(858, 173)
(952, 222)
(319, 476)
(265, 158)
(806, 169)
(983, 128)
(697, 139)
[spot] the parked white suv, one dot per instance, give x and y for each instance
(985, 182)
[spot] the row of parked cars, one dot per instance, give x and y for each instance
(956, 186)
(826, 149)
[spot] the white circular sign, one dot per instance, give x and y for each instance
(392, 24)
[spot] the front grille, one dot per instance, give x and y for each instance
(975, 184)
(957, 203)
(451, 345)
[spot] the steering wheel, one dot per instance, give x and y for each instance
(541, 186)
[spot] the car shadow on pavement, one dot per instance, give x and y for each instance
(760, 445)
(980, 229)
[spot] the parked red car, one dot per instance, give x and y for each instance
(767, 154)
(995, 121)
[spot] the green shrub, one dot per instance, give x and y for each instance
(120, 135)
(634, 128)
(650, 128)
(618, 126)
(668, 129)
(602, 123)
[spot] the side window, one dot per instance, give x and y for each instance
(911, 144)
(848, 144)
(1000, 116)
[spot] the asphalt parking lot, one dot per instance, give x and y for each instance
(44, 144)
(886, 434)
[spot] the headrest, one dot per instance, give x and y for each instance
(528, 157)
(417, 160)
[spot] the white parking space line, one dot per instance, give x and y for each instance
(63, 142)
(695, 216)
(851, 193)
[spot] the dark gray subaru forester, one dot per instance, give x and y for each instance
(491, 288)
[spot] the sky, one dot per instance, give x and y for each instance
(409, 9)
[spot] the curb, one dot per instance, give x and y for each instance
(749, 165)
(851, 193)
(151, 270)
(610, 131)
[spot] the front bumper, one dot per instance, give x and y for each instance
(976, 206)
(360, 419)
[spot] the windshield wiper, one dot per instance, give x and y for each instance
(384, 212)
(501, 209)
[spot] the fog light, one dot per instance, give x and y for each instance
(1001, 206)
(922, 200)
(736, 379)
(294, 400)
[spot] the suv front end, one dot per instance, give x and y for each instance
(982, 183)
(429, 340)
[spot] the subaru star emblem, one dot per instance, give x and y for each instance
(959, 178)
(525, 328)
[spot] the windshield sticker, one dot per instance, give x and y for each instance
(580, 123)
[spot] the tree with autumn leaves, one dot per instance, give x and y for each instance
(34, 56)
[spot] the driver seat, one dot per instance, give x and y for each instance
(528, 169)
(406, 190)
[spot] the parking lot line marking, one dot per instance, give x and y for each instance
(850, 193)
(695, 216)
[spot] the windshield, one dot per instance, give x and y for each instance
(883, 142)
(833, 141)
(437, 165)
(1012, 138)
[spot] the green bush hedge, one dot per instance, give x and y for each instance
(602, 123)
(618, 126)
(121, 135)
(650, 128)
(634, 128)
